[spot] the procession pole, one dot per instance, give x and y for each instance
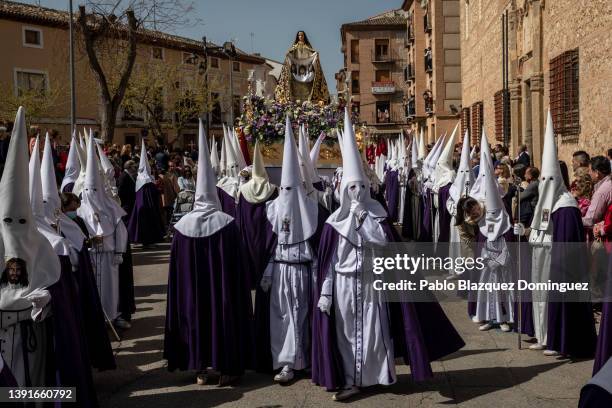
(520, 297)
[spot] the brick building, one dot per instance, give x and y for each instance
(433, 65)
(372, 77)
(522, 57)
(34, 51)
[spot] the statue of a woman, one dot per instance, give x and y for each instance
(302, 77)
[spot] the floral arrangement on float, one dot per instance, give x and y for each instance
(264, 119)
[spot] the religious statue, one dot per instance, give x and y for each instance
(301, 77)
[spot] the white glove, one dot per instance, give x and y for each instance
(265, 283)
(519, 229)
(357, 210)
(118, 259)
(324, 304)
(39, 298)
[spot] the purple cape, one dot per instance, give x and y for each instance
(428, 211)
(255, 237)
(263, 354)
(604, 341)
(408, 229)
(94, 325)
(127, 303)
(228, 204)
(392, 194)
(145, 225)
(71, 357)
(68, 188)
(209, 305)
(421, 331)
(444, 217)
(6, 377)
(571, 326)
(593, 396)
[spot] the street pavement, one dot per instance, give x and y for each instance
(489, 371)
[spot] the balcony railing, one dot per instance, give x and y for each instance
(384, 116)
(408, 73)
(389, 56)
(410, 108)
(427, 23)
(383, 87)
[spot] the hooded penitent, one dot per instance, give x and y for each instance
(421, 147)
(237, 149)
(144, 168)
(465, 178)
(73, 166)
(352, 172)
(552, 191)
(20, 237)
(214, 158)
(444, 172)
(430, 160)
(293, 214)
(314, 155)
(206, 218)
(108, 171)
(229, 182)
(52, 203)
(82, 156)
(414, 152)
(100, 213)
(496, 221)
(258, 189)
(306, 167)
(477, 190)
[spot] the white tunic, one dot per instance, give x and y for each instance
(292, 271)
(107, 271)
(540, 242)
(361, 316)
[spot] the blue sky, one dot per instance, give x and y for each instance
(274, 24)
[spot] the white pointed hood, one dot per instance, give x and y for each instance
(223, 159)
(293, 214)
(496, 221)
(214, 157)
(237, 149)
(314, 155)
(206, 218)
(552, 191)
(100, 213)
(430, 160)
(108, 174)
(19, 234)
(422, 150)
(444, 172)
(414, 152)
(82, 155)
(340, 139)
(258, 189)
(230, 181)
(144, 168)
(465, 178)
(352, 172)
(306, 168)
(478, 190)
(52, 203)
(73, 167)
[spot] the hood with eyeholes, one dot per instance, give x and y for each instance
(73, 167)
(293, 215)
(353, 175)
(20, 237)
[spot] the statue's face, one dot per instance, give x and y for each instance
(301, 36)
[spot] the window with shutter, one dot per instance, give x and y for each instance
(465, 121)
(564, 94)
(501, 103)
(477, 115)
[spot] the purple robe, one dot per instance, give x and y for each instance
(604, 340)
(68, 188)
(421, 332)
(127, 303)
(428, 211)
(6, 377)
(145, 225)
(408, 229)
(526, 305)
(571, 326)
(228, 204)
(444, 217)
(253, 225)
(209, 305)
(392, 194)
(70, 356)
(593, 396)
(94, 325)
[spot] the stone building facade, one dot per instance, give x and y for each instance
(35, 52)
(558, 57)
(372, 77)
(433, 66)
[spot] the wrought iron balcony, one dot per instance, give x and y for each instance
(383, 87)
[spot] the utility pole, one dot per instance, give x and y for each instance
(72, 81)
